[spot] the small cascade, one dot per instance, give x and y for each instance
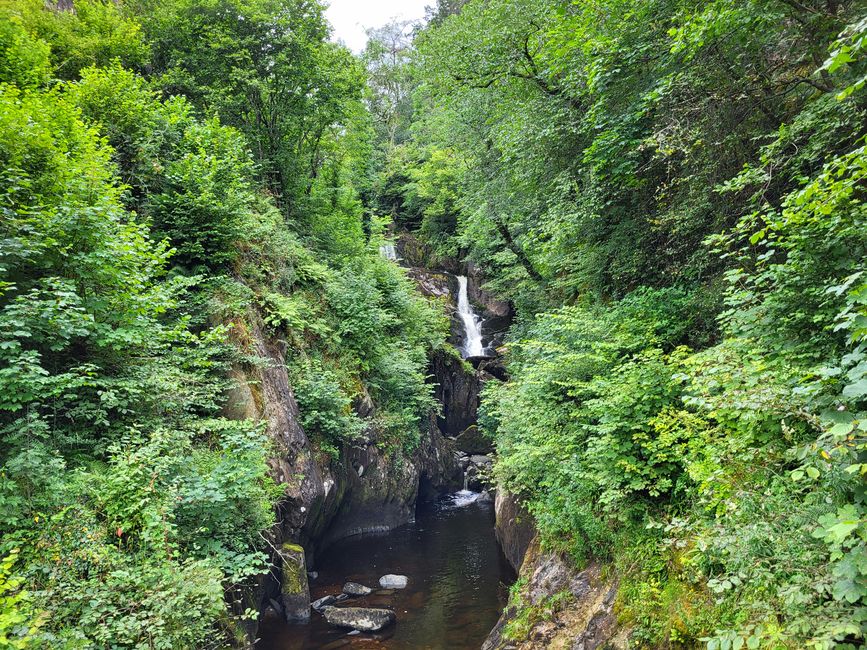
(388, 251)
(473, 346)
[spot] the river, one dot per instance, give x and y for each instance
(458, 582)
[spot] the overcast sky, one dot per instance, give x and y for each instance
(351, 17)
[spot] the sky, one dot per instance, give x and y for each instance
(351, 17)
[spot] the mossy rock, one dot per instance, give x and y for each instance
(473, 441)
(294, 587)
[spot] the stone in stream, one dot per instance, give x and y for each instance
(294, 587)
(355, 589)
(392, 581)
(365, 619)
(481, 460)
(323, 602)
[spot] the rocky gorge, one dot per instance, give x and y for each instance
(368, 491)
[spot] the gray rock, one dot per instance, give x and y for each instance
(392, 581)
(365, 619)
(323, 602)
(355, 589)
(312, 575)
(481, 460)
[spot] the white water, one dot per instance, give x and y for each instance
(472, 323)
(464, 498)
(388, 252)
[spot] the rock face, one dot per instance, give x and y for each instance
(392, 581)
(514, 528)
(583, 619)
(458, 389)
(493, 307)
(365, 619)
(473, 441)
(294, 589)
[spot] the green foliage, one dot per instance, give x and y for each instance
(92, 33)
(19, 623)
(326, 409)
(131, 511)
(620, 146)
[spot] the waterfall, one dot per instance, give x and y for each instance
(388, 252)
(472, 323)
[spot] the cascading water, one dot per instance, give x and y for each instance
(473, 346)
(388, 251)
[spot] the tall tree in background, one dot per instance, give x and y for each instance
(389, 79)
(266, 68)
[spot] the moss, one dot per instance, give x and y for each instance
(294, 569)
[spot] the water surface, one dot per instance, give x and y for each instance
(457, 583)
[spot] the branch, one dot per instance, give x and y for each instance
(517, 250)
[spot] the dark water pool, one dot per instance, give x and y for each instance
(457, 583)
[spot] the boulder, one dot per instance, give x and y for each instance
(473, 441)
(392, 581)
(480, 460)
(365, 619)
(355, 589)
(293, 586)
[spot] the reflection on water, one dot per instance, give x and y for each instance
(457, 578)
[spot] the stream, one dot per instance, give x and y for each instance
(457, 588)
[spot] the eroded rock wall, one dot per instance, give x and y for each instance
(559, 607)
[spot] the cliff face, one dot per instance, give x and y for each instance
(558, 605)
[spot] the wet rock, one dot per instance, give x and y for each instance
(272, 614)
(481, 461)
(366, 619)
(485, 497)
(472, 480)
(431, 283)
(355, 589)
(323, 602)
(478, 295)
(312, 575)
(293, 586)
(515, 528)
(473, 441)
(392, 581)
(363, 404)
(458, 388)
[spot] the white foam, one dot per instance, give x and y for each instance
(464, 498)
